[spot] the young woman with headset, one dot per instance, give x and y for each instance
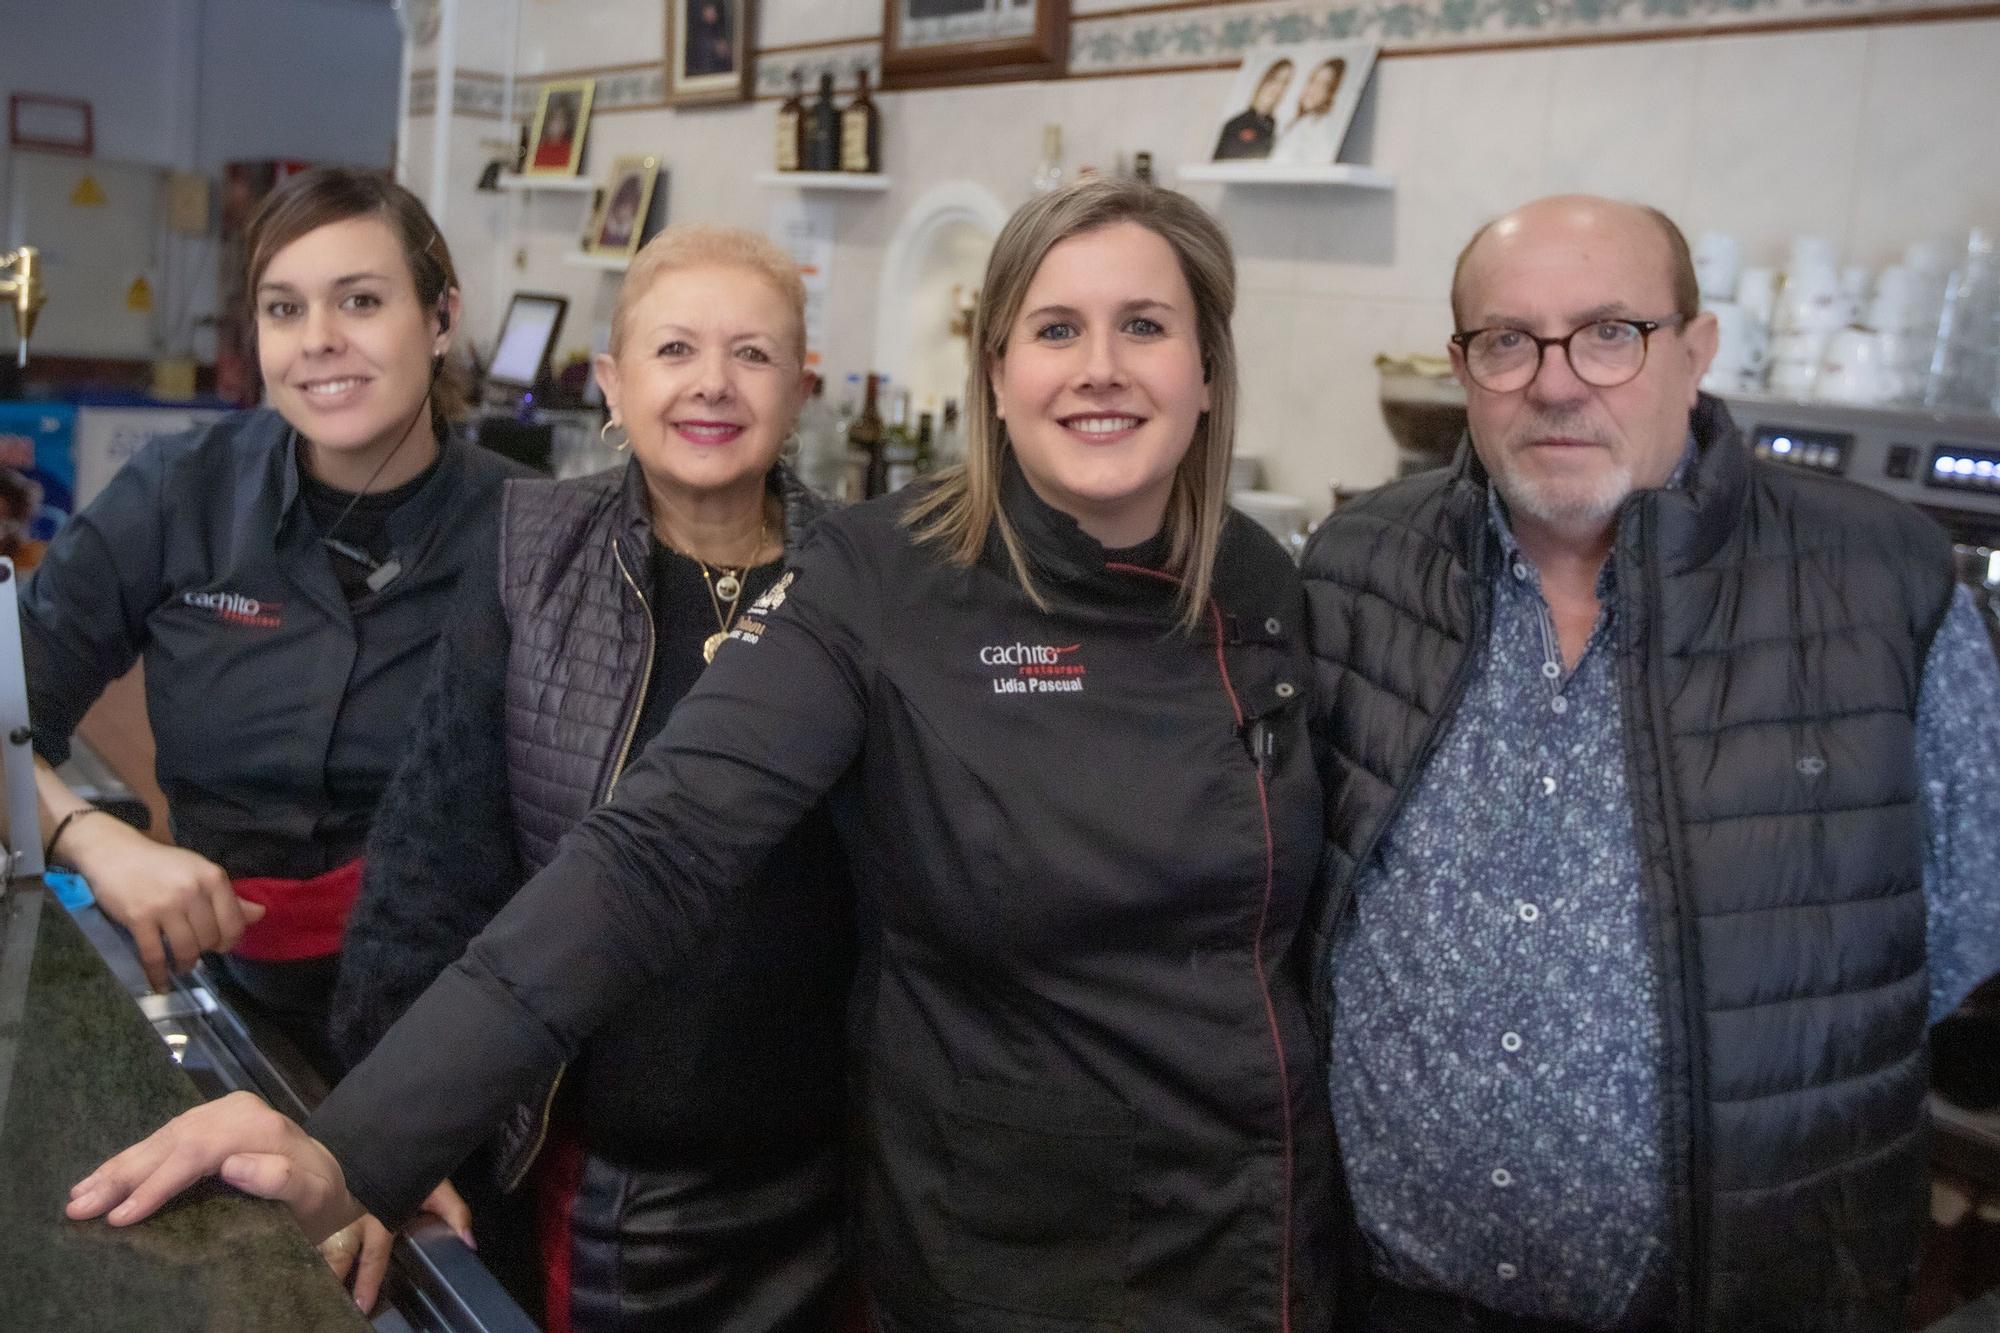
(283, 573)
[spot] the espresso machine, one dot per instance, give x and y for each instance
(1946, 466)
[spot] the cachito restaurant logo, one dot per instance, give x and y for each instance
(236, 609)
(1033, 668)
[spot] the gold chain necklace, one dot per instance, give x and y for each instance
(726, 585)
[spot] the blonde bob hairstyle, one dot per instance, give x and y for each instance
(687, 245)
(964, 506)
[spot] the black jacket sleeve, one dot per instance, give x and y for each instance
(441, 858)
(84, 609)
(768, 730)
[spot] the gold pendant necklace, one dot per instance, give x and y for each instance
(726, 585)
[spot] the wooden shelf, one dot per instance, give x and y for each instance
(824, 180)
(555, 184)
(1350, 175)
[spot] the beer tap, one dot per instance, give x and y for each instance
(24, 294)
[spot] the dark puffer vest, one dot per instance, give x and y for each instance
(1772, 628)
(575, 560)
(574, 566)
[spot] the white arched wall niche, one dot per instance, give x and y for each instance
(942, 240)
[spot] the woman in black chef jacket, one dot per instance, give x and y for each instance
(1057, 702)
(283, 574)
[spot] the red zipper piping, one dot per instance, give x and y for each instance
(1257, 961)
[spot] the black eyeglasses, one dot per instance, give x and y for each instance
(1604, 353)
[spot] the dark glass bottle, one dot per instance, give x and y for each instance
(899, 448)
(819, 146)
(861, 132)
(791, 125)
(864, 448)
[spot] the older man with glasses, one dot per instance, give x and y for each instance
(1655, 832)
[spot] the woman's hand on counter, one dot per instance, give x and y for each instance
(237, 1137)
(169, 898)
(363, 1247)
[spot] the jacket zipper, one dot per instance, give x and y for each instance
(1259, 743)
(1693, 1022)
(1261, 746)
(617, 770)
(1336, 908)
(645, 677)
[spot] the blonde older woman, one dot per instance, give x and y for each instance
(682, 1170)
(1058, 700)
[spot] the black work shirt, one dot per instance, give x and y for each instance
(278, 710)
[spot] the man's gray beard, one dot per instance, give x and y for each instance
(1568, 508)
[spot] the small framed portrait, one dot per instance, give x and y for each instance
(934, 43)
(1292, 103)
(618, 226)
(555, 145)
(708, 51)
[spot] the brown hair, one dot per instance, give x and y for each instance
(959, 512)
(700, 244)
(1680, 266)
(323, 195)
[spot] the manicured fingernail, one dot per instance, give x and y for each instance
(87, 1183)
(120, 1215)
(466, 1236)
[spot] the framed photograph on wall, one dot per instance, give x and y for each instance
(618, 226)
(562, 115)
(932, 43)
(708, 51)
(52, 124)
(1292, 103)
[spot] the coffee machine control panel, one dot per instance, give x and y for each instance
(1938, 462)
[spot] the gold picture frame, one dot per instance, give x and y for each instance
(618, 224)
(562, 118)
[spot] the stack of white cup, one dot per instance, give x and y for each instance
(1743, 327)
(1811, 307)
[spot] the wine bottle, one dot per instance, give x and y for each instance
(791, 120)
(861, 131)
(820, 146)
(899, 450)
(926, 445)
(864, 448)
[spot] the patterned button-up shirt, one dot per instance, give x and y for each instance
(1497, 1042)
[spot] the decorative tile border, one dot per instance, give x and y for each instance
(843, 62)
(1221, 33)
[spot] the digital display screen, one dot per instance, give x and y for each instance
(1963, 468)
(1820, 450)
(525, 339)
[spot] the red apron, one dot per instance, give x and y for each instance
(303, 918)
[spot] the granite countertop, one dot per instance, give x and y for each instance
(88, 1076)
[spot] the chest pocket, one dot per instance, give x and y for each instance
(1039, 1200)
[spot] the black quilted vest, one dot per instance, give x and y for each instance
(1772, 627)
(574, 567)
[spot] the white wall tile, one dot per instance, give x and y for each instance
(1777, 119)
(1622, 122)
(791, 22)
(1928, 162)
(586, 34)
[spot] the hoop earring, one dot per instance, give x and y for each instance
(604, 436)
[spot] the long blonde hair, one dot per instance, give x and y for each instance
(959, 512)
